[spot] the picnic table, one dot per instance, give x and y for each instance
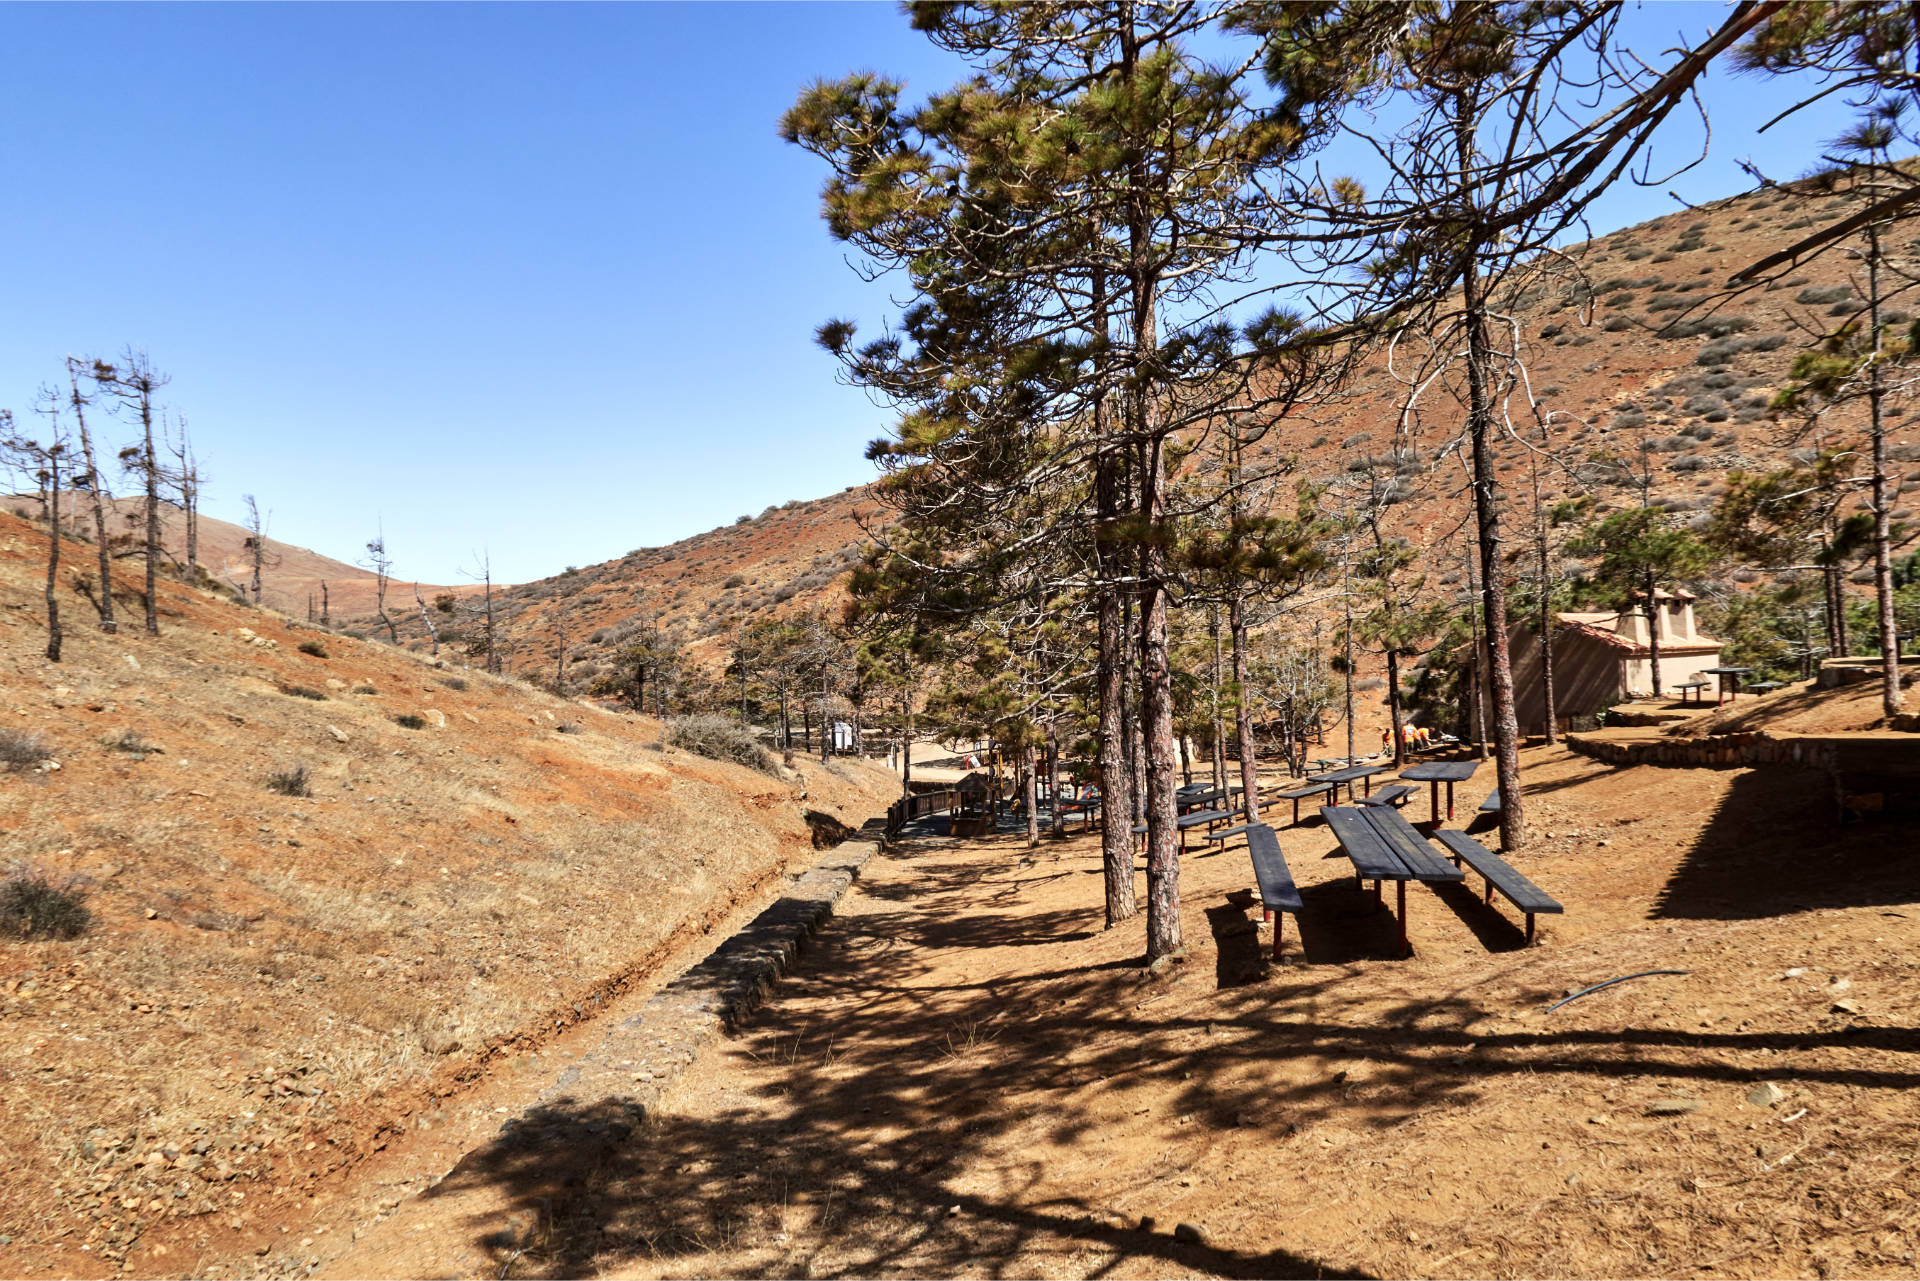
(1726, 676)
(1385, 847)
(1697, 688)
(1765, 687)
(1350, 775)
(1210, 818)
(1436, 773)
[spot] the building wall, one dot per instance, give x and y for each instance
(1675, 669)
(1587, 675)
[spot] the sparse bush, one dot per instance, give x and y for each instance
(1819, 295)
(305, 691)
(314, 648)
(454, 682)
(568, 727)
(19, 749)
(1615, 324)
(130, 742)
(1628, 419)
(719, 739)
(364, 688)
(34, 906)
(735, 580)
(1711, 326)
(408, 720)
(290, 782)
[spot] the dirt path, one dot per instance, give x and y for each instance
(968, 1076)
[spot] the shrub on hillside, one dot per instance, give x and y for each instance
(304, 691)
(19, 749)
(719, 739)
(314, 648)
(32, 906)
(290, 782)
(1814, 295)
(407, 720)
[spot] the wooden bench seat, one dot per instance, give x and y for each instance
(1226, 834)
(1278, 893)
(1394, 794)
(1492, 804)
(1299, 794)
(1500, 875)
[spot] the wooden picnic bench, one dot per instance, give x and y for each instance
(1299, 794)
(1383, 846)
(1500, 875)
(1226, 834)
(1278, 893)
(1195, 819)
(1696, 688)
(1395, 794)
(1086, 806)
(1492, 804)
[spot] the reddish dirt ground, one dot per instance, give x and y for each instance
(281, 992)
(969, 1076)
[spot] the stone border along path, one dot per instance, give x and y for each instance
(605, 1097)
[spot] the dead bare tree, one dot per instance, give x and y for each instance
(256, 544)
(43, 460)
(96, 485)
(326, 614)
(488, 645)
(135, 382)
(433, 633)
(186, 483)
(381, 564)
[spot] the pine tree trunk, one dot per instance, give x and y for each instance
(906, 744)
(1393, 707)
(1219, 725)
(1546, 675)
(1506, 729)
(1546, 619)
(1652, 611)
(1156, 706)
(1243, 713)
(1033, 796)
(1836, 612)
(1890, 699)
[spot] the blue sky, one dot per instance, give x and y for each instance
(539, 279)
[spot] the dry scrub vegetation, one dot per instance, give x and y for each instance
(309, 918)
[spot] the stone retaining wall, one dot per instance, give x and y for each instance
(1720, 751)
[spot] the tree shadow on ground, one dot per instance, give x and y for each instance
(893, 1113)
(1773, 848)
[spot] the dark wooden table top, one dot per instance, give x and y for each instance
(1440, 771)
(1350, 773)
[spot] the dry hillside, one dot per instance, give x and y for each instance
(277, 984)
(290, 579)
(1649, 348)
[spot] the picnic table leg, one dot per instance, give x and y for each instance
(1406, 948)
(1369, 785)
(1449, 800)
(1434, 797)
(1279, 920)
(1529, 930)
